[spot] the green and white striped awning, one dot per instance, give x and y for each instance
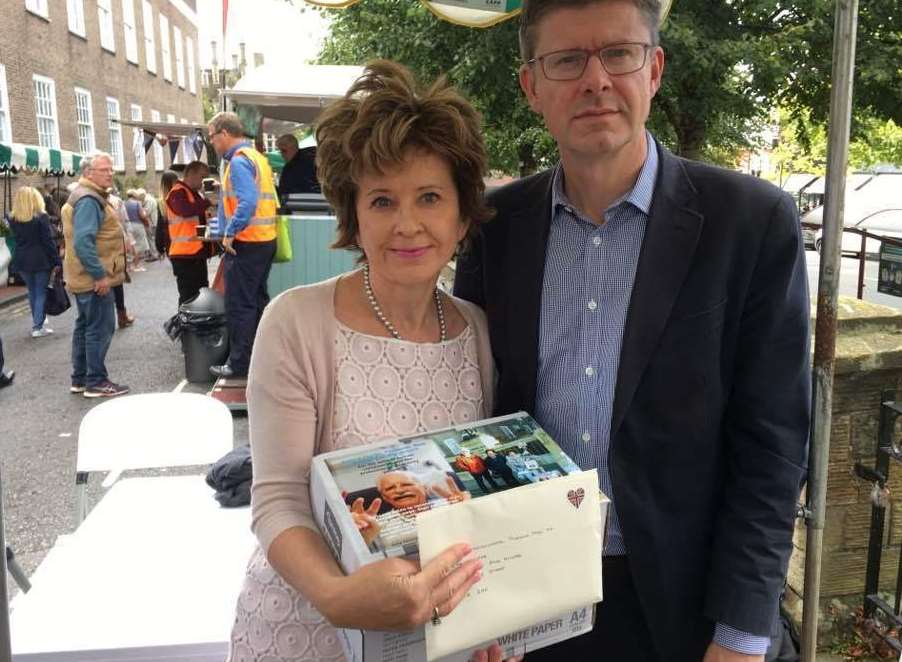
(31, 158)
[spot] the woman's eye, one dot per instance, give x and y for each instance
(430, 197)
(381, 201)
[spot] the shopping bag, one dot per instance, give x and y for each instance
(283, 240)
(57, 299)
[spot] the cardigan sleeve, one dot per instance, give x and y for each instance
(282, 415)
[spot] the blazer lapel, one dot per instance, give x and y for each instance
(671, 235)
(525, 269)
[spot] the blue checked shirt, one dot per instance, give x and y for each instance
(589, 275)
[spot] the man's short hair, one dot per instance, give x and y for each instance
(194, 166)
(287, 139)
(89, 162)
(382, 116)
(228, 123)
(535, 10)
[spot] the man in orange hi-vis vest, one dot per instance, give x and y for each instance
(247, 218)
(185, 209)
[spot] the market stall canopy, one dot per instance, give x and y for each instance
(295, 93)
(471, 13)
(31, 158)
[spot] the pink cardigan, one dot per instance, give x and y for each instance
(290, 395)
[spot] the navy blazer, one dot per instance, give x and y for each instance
(709, 429)
(35, 248)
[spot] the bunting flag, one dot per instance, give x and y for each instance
(198, 144)
(149, 137)
(174, 143)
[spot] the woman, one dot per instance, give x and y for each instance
(403, 169)
(137, 228)
(36, 253)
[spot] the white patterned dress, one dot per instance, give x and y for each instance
(385, 388)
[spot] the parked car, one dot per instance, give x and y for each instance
(886, 223)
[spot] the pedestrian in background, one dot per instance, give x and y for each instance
(161, 236)
(6, 376)
(95, 262)
(149, 203)
(36, 253)
(137, 228)
(123, 318)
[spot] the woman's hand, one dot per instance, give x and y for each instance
(451, 491)
(365, 520)
(396, 594)
(492, 654)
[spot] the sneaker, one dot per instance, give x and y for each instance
(77, 388)
(105, 389)
(40, 333)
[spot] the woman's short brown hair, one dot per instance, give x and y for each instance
(383, 115)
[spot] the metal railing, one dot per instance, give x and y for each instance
(885, 620)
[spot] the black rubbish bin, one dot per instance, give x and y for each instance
(204, 335)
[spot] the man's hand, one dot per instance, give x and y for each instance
(102, 286)
(717, 653)
(227, 245)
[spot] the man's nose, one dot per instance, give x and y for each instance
(595, 77)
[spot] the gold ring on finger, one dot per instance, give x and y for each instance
(436, 619)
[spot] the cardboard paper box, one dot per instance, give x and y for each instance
(425, 472)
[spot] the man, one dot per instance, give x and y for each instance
(247, 214)
(653, 313)
(6, 376)
(93, 265)
(474, 465)
(185, 209)
(299, 172)
(497, 464)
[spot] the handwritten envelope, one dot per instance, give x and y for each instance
(541, 549)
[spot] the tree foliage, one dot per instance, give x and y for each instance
(728, 65)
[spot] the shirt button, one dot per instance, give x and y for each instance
(590, 371)
(592, 304)
(596, 241)
(586, 437)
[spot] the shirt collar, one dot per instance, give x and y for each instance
(229, 154)
(639, 196)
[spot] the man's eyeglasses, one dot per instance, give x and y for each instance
(214, 134)
(617, 60)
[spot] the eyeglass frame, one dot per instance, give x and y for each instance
(646, 47)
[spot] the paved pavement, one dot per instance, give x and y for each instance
(39, 418)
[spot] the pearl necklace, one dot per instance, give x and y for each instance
(368, 290)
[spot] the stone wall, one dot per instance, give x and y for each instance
(868, 362)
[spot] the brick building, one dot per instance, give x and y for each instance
(69, 68)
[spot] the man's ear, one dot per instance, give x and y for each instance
(657, 69)
(528, 85)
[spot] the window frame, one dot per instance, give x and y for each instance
(165, 48)
(138, 135)
(79, 124)
(51, 86)
(75, 11)
(38, 8)
(159, 163)
(191, 64)
(6, 122)
(118, 158)
(130, 31)
(179, 45)
(150, 41)
(107, 28)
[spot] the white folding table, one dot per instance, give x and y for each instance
(152, 573)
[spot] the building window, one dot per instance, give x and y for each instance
(45, 111)
(170, 118)
(38, 7)
(76, 11)
(138, 140)
(105, 16)
(6, 132)
(157, 147)
(192, 75)
(131, 31)
(179, 56)
(115, 131)
(164, 48)
(84, 121)
(150, 46)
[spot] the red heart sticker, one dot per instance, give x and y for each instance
(575, 497)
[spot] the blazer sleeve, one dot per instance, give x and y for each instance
(765, 433)
(282, 423)
(468, 276)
